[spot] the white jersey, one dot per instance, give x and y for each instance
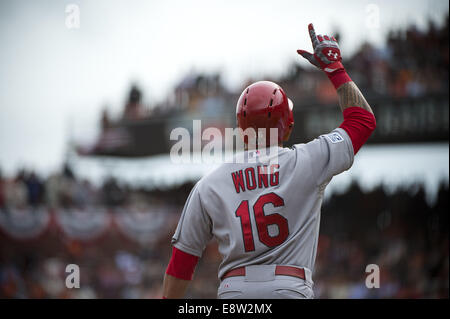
(262, 213)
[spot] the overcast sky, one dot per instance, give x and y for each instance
(51, 76)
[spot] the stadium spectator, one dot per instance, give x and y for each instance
(16, 193)
(134, 110)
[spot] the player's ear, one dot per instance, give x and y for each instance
(288, 132)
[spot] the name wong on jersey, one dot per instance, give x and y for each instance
(262, 176)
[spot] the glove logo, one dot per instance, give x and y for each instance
(326, 52)
(327, 57)
(329, 70)
(334, 54)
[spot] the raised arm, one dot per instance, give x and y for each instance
(327, 57)
(350, 95)
(359, 120)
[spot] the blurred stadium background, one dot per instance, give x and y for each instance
(109, 198)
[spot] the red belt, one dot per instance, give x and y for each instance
(279, 270)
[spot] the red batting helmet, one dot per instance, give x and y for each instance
(264, 104)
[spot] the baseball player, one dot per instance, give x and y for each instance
(265, 217)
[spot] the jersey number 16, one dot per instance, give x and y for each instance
(262, 222)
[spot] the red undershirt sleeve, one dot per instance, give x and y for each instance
(359, 125)
(181, 265)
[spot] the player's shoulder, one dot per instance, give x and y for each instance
(338, 135)
(212, 176)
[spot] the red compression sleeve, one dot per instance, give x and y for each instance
(359, 124)
(181, 265)
(338, 78)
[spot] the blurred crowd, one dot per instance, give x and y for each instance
(401, 232)
(411, 63)
(410, 71)
(64, 190)
(114, 262)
